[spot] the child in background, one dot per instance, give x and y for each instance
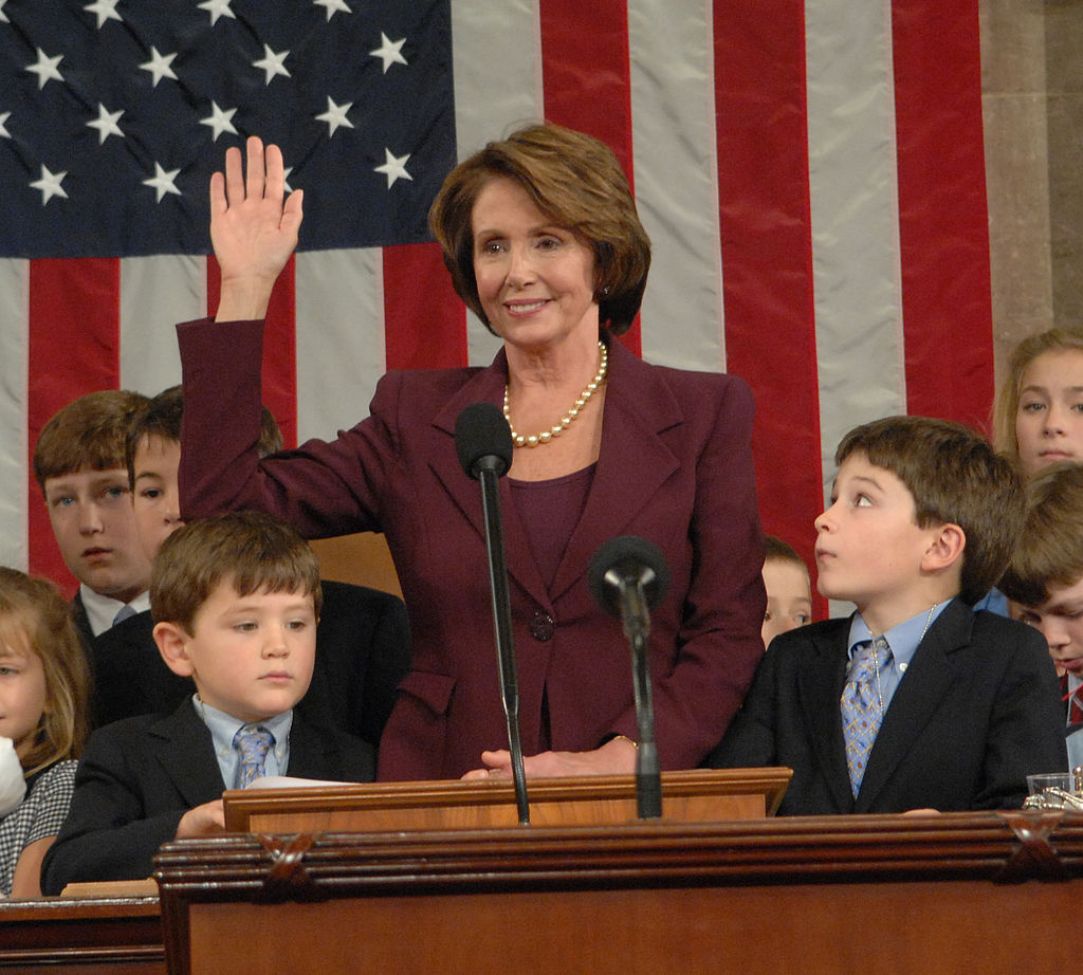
(789, 590)
(44, 686)
(235, 602)
(1045, 578)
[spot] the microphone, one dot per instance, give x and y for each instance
(628, 577)
(483, 443)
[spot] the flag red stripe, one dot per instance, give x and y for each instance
(767, 252)
(943, 218)
(586, 80)
(279, 376)
(424, 320)
(74, 349)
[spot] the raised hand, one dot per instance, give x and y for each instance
(253, 228)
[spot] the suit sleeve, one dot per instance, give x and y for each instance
(321, 488)
(106, 836)
(750, 740)
(719, 642)
(1026, 727)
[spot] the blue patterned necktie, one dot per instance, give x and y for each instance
(862, 706)
(253, 744)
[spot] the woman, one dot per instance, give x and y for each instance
(542, 240)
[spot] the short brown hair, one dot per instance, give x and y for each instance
(251, 551)
(577, 182)
(953, 475)
(87, 434)
(776, 550)
(34, 618)
(161, 417)
(1050, 548)
(1006, 404)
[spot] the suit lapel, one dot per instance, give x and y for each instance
(821, 676)
(184, 749)
(638, 407)
(487, 386)
(917, 698)
(311, 753)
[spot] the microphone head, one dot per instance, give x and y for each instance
(483, 439)
(626, 560)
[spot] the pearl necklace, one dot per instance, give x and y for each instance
(520, 440)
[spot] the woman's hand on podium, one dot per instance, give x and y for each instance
(615, 757)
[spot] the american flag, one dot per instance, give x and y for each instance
(811, 173)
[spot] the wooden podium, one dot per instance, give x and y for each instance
(894, 895)
(690, 796)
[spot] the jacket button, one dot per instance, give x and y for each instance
(541, 627)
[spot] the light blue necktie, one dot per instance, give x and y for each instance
(862, 706)
(253, 743)
(124, 613)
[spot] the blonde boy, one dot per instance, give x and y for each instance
(235, 601)
(915, 701)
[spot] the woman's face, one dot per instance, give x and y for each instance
(535, 279)
(1049, 420)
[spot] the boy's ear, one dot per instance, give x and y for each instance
(172, 645)
(947, 548)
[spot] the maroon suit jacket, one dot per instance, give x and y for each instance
(675, 467)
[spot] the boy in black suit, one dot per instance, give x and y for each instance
(914, 701)
(235, 601)
(1045, 579)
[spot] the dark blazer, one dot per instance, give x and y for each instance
(977, 710)
(362, 652)
(138, 777)
(675, 467)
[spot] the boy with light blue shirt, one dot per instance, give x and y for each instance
(235, 600)
(916, 702)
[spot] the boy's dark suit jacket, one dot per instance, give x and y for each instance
(362, 652)
(138, 777)
(978, 709)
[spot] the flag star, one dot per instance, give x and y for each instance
(3, 16)
(333, 7)
(45, 68)
(162, 181)
(389, 51)
(4, 116)
(49, 184)
(106, 123)
(159, 66)
(394, 168)
(272, 64)
(220, 120)
(104, 10)
(217, 8)
(335, 116)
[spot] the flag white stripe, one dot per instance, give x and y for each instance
(155, 294)
(675, 172)
(341, 349)
(853, 181)
(496, 51)
(14, 435)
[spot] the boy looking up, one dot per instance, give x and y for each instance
(1045, 577)
(789, 590)
(915, 701)
(235, 602)
(79, 465)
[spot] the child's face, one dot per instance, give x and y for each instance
(789, 598)
(156, 501)
(1049, 422)
(1060, 620)
(869, 548)
(22, 695)
(92, 520)
(250, 656)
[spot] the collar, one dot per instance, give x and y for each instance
(904, 638)
(224, 727)
(101, 610)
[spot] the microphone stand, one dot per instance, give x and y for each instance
(505, 648)
(636, 617)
